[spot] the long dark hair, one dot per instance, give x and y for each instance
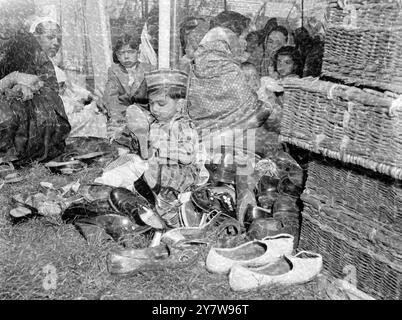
(186, 26)
(231, 20)
(295, 56)
(126, 39)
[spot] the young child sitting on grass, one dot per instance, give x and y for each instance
(171, 144)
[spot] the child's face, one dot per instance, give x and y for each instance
(252, 44)
(162, 106)
(252, 77)
(285, 65)
(127, 56)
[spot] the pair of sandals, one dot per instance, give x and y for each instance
(8, 174)
(73, 162)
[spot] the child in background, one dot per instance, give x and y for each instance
(288, 62)
(252, 77)
(126, 83)
(255, 49)
(257, 84)
(276, 39)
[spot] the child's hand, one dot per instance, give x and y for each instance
(125, 99)
(103, 109)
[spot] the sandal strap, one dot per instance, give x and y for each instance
(309, 253)
(286, 235)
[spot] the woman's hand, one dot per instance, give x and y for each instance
(22, 92)
(29, 80)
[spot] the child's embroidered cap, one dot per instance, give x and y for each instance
(165, 78)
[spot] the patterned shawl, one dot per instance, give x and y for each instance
(219, 96)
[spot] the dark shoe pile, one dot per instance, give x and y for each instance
(118, 211)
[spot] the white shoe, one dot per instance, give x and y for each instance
(253, 253)
(288, 270)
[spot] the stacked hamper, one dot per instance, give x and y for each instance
(352, 211)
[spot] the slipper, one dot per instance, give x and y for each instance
(287, 270)
(8, 174)
(23, 213)
(13, 178)
(74, 155)
(68, 167)
(253, 253)
(6, 169)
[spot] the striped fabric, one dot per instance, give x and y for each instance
(175, 145)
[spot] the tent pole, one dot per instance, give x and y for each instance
(175, 38)
(164, 34)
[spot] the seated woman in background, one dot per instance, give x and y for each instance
(274, 40)
(126, 83)
(81, 105)
(311, 50)
(192, 30)
(33, 122)
(255, 49)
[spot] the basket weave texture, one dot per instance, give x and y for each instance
(344, 256)
(362, 127)
(363, 44)
(360, 192)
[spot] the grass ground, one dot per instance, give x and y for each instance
(29, 250)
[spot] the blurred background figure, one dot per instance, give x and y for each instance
(276, 38)
(192, 31)
(85, 117)
(311, 50)
(126, 82)
(255, 49)
(33, 122)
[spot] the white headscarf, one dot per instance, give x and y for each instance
(47, 13)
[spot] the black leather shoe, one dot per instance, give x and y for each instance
(115, 225)
(142, 187)
(136, 207)
(93, 192)
(84, 210)
(221, 199)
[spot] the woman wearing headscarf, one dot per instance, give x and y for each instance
(221, 104)
(33, 123)
(276, 38)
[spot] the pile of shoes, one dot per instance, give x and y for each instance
(178, 248)
(118, 211)
(280, 196)
(273, 208)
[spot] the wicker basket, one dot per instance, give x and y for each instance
(356, 126)
(374, 196)
(375, 275)
(363, 44)
(375, 238)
